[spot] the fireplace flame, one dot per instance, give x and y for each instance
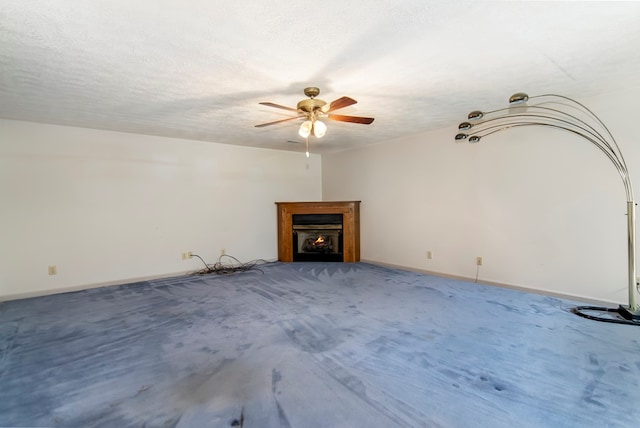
(318, 243)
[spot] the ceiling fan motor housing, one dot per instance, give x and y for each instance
(311, 105)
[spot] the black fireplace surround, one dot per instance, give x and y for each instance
(317, 237)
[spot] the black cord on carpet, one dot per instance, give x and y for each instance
(222, 268)
(578, 310)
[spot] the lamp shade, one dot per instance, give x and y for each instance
(319, 129)
(305, 129)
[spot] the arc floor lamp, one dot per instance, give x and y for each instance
(564, 113)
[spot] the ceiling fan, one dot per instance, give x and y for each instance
(312, 109)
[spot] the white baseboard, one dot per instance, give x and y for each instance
(500, 284)
(40, 293)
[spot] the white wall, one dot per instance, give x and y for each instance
(108, 207)
(545, 209)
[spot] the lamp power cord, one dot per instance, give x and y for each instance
(621, 319)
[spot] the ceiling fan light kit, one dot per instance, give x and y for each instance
(305, 129)
(319, 129)
(312, 109)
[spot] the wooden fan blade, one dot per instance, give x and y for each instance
(277, 121)
(341, 103)
(352, 119)
(278, 106)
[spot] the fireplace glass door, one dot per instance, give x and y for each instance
(317, 237)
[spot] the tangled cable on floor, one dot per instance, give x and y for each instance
(222, 268)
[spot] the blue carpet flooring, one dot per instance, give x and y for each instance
(306, 345)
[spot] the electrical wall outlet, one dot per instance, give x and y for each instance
(53, 270)
(479, 261)
(190, 254)
(223, 252)
(187, 255)
(429, 254)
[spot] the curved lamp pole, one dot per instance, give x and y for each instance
(560, 112)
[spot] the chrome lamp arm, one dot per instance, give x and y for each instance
(564, 113)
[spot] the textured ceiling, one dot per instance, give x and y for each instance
(197, 69)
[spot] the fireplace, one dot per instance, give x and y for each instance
(317, 237)
(319, 231)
